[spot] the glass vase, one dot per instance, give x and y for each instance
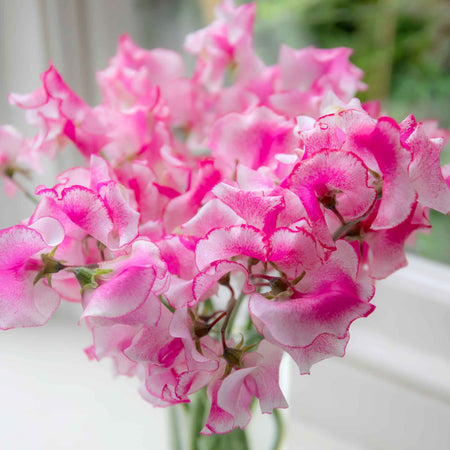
(264, 432)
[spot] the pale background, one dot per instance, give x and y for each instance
(392, 391)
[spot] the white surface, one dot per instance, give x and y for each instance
(52, 397)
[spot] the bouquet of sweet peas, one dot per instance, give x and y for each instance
(220, 220)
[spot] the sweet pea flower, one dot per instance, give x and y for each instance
(93, 202)
(255, 375)
(135, 75)
(301, 92)
(335, 181)
(166, 377)
(313, 323)
(378, 144)
(16, 156)
(251, 139)
(425, 173)
(126, 289)
(27, 264)
(112, 341)
(226, 41)
(60, 115)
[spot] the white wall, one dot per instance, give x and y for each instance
(392, 389)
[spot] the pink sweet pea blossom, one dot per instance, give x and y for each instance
(300, 91)
(257, 375)
(332, 180)
(16, 156)
(135, 75)
(95, 203)
(424, 170)
(128, 287)
(251, 139)
(26, 299)
(313, 323)
(59, 113)
(226, 41)
(112, 341)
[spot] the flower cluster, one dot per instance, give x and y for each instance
(244, 186)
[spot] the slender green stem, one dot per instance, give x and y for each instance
(230, 307)
(24, 190)
(279, 430)
(217, 319)
(197, 412)
(345, 228)
(338, 215)
(164, 301)
(239, 440)
(235, 310)
(175, 435)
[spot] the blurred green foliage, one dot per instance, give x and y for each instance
(403, 46)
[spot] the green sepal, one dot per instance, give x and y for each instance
(87, 276)
(233, 356)
(51, 266)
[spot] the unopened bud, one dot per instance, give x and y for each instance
(233, 356)
(279, 285)
(200, 328)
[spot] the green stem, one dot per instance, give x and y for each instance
(234, 440)
(165, 302)
(235, 310)
(197, 412)
(230, 307)
(343, 229)
(24, 190)
(175, 434)
(338, 215)
(279, 430)
(238, 439)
